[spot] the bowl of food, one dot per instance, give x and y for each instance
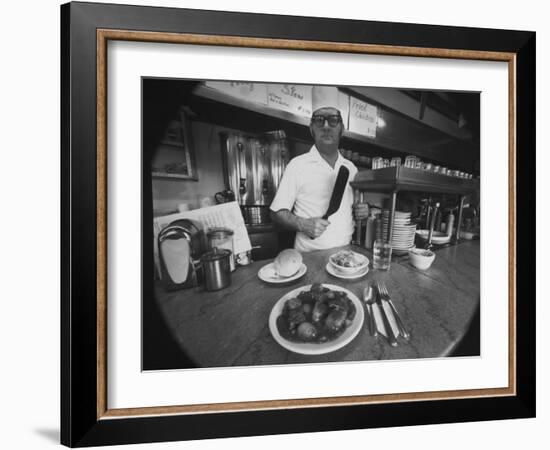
(420, 258)
(348, 262)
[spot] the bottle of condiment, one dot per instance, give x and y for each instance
(450, 223)
(438, 219)
(370, 233)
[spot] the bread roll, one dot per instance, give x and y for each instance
(288, 262)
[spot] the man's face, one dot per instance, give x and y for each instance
(326, 135)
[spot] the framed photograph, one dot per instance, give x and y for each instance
(174, 155)
(264, 231)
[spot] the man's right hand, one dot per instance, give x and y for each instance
(313, 227)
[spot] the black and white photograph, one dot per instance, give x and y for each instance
(307, 224)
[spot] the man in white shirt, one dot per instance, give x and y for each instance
(305, 189)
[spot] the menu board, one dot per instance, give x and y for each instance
(252, 92)
(362, 117)
(292, 98)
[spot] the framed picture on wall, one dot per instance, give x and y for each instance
(107, 395)
(173, 156)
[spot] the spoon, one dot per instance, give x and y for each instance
(368, 298)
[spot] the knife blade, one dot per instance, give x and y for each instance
(337, 191)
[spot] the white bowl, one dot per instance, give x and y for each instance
(468, 235)
(362, 259)
(420, 258)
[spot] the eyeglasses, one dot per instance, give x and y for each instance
(333, 120)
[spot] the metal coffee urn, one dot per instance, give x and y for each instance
(253, 168)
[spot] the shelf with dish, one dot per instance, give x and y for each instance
(397, 179)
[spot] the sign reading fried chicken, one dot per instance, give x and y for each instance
(362, 118)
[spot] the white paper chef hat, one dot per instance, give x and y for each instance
(324, 97)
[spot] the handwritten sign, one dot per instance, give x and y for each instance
(252, 92)
(291, 98)
(362, 117)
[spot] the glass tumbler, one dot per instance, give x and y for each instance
(381, 255)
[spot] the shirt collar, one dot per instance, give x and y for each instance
(316, 156)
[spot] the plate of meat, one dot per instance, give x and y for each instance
(316, 319)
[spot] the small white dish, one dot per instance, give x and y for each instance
(420, 258)
(468, 235)
(335, 273)
(268, 274)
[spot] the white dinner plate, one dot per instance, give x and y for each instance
(398, 224)
(309, 348)
(402, 251)
(402, 245)
(403, 226)
(400, 239)
(336, 273)
(397, 219)
(386, 212)
(268, 274)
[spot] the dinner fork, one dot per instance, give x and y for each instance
(383, 290)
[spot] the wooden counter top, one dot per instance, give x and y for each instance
(230, 327)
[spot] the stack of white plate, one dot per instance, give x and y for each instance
(403, 231)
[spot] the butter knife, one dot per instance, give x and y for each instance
(386, 297)
(389, 331)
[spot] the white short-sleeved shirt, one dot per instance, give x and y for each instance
(305, 190)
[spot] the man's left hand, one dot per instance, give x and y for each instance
(360, 211)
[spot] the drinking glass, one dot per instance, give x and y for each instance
(381, 255)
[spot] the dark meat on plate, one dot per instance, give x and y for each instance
(335, 320)
(320, 311)
(291, 304)
(294, 303)
(295, 317)
(316, 291)
(307, 331)
(351, 313)
(339, 303)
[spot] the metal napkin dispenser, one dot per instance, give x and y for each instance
(180, 247)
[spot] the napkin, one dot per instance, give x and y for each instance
(380, 322)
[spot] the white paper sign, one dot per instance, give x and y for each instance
(362, 117)
(343, 105)
(252, 92)
(295, 99)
